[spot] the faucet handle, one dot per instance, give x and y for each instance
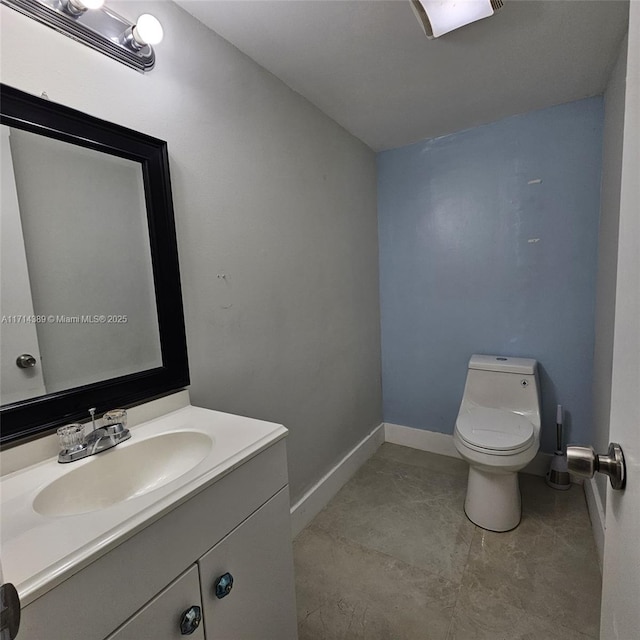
(115, 415)
(115, 421)
(73, 444)
(71, 436)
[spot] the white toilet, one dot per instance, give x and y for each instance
(498, 433)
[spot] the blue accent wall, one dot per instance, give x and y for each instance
(488, 244)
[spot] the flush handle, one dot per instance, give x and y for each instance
(584, 461)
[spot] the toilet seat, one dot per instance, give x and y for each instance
(494, 431)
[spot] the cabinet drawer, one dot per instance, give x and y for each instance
(160, 619)
(258, 555)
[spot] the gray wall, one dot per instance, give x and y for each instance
(86, 238)
(488, 244)
(269, 193)
(608, 256)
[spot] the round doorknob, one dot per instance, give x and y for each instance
(223, 585)
(584, 461)
(190, 620)
(26, 361)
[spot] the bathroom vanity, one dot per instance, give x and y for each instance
(181, 530)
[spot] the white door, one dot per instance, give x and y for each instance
(621, 572)
(17, 335)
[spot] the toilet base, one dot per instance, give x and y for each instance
(493, 499)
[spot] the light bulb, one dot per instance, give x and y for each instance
(92, 4)
(148, 30)
(78, 7)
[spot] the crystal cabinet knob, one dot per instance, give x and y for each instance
(584, 461)
(190, 620)
(223, 585)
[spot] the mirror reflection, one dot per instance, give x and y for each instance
(78, 303)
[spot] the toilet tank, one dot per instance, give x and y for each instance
(501, 382)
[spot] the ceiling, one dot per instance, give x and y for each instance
(368, 65)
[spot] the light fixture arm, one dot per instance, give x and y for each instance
(73, 7)
(129, 40)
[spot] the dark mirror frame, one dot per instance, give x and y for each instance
(27, 418)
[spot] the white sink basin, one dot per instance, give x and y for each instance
(123, 473)
(58, 518)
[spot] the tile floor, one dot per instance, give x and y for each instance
(393, 557)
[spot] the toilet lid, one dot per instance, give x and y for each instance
(499, 430)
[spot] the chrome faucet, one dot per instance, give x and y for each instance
(75, 445)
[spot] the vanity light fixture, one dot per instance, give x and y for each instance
(95, 25)
(438, 17)
(77, 7)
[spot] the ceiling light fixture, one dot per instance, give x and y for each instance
(98, 27)
(438, 17)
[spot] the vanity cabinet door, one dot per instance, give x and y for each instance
(252, 569)
(162, 618)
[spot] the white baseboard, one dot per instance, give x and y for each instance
(442, 443)
(596, 514)
(431, 441)
(314, 500)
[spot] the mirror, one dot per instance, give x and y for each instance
(76, 288)
(90, 303)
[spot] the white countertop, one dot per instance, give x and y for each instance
(38, 552)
